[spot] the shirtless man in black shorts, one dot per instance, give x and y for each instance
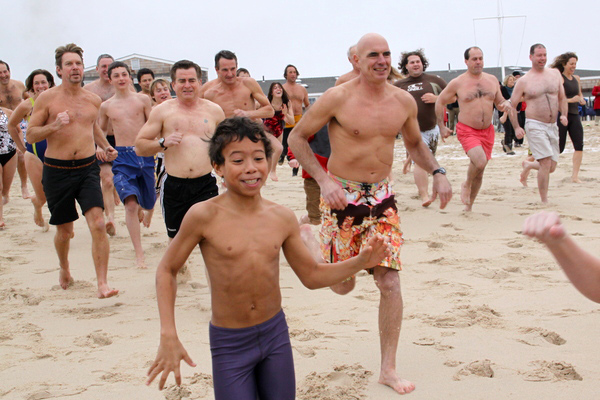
(66, 116)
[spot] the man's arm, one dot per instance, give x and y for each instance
(563, 106)
(318, 116)
(421, 155)
(315, 275)
(171, 351)
(446, 97)
(305, 101)
(146, 144)
(265, 110)
(582, 269)
(37, 129)
(515, 99)
(13, 125)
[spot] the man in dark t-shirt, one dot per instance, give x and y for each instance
(424, 88)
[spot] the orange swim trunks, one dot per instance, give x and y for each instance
(371, 209)
(470, 138)
(296, 119)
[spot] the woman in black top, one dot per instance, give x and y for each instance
(566, 64)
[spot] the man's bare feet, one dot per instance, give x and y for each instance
(575, 180)
(147, 218)
(465, 194)
(2, 225)
(427, 202)
(104, 291)
(273, 177)
(140, 214)
(64, 278)
(110, 228)
(46, 227)
(401, 386)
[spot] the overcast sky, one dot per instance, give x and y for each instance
(314, 35)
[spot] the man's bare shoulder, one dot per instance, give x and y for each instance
(211, 107)
(92, 97)
(18, 84)
(207, 87)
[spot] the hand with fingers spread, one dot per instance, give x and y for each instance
(170, 353)
(377, 249)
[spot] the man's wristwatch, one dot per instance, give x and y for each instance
(440, 170)
(161, 142)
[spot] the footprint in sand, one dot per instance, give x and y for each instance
(91, 312)
(304, 335)
(94, 340)
(515, 244)
(427, 341)
(464, 316)
(551, 371)
(539, 336)
(481, 368)
(344, 382)
(26, 298)
(435, 245)
(306, 352)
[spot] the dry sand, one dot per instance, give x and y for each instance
(488, 314)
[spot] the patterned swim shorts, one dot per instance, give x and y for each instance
(371, 210)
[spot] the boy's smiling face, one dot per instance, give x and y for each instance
(245, 168)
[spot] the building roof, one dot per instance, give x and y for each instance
(314, 86)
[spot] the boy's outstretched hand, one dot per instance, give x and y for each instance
(170, 354)
(375, 251)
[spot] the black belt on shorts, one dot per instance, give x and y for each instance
(69, 164)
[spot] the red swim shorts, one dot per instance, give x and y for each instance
(470, 138)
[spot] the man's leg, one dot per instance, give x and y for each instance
(546, 167)
(470, 187)
(422, 182)
(62, 240)
(108, 189)
(22, 175)
(132, 220)
(390, 322)
(577, 158)
(100, 249)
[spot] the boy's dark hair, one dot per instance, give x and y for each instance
(404, 60)
(29, 80)
(234, 130)
(185, 64)
(144, 71)
(118, 64)
(226, 54)
(240, 70)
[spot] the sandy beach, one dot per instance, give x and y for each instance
(488, 314)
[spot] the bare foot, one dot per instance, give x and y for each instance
(524, 174)
(427, 203)
(575, 180)
(104, 292)
(64, 278)
(141, 263)
(273, 177)
(402, 386)
(140, 214)
(46, 227)
(5, 200)
(147, 218)
(406, 166)
(25, 192)
(38, 218)
(465, 194)
(110, 228)
(2, 225)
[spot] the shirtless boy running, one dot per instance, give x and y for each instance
(133, 177)
(66, 116)
(241, 236)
